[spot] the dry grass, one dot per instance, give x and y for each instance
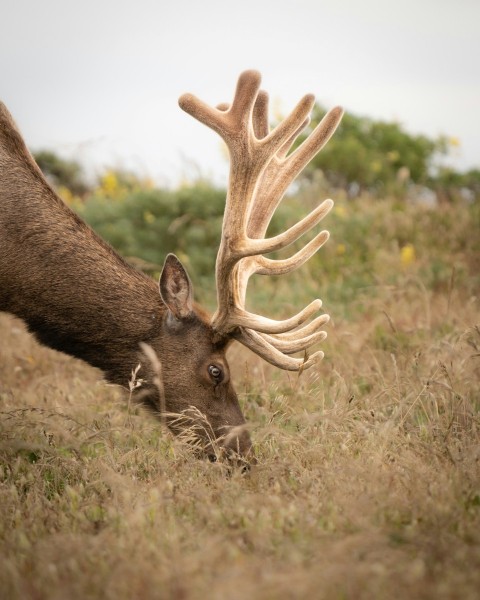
(367, 484)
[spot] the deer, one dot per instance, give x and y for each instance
(77, 295)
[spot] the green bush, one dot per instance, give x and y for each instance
(383, 159)
(372, 244)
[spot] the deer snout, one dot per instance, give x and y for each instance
(238, 446)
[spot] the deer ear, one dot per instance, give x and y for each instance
(176, 288)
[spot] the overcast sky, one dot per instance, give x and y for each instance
(100, 79)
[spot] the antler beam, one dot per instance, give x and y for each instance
(261, 169)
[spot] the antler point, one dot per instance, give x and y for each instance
(185, 100)
(251, 74)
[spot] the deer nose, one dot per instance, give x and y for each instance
(239, 448)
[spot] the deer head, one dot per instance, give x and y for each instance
(77, 295)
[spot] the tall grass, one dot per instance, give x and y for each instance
(368, 475)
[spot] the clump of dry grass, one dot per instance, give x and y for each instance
(367, 483)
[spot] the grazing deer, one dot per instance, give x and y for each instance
(77, 295)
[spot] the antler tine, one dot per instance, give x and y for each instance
(305, 330)
(243, 318)
(314, 143)
(259, 246)
(260, 346)
(267, 266)
(245, 96)
(228, 122)
(297, 345)
(260, 115)
(261, 170)
(287, 128)
(280, 173)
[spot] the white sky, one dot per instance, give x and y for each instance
(99, 79)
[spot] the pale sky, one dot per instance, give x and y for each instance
(99, 80)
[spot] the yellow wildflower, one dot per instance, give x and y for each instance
(65, 194)
(407, 255)
(109, 183)
(148, 217)
(393, 155)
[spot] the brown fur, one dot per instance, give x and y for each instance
(78, 296)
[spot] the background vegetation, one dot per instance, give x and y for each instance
(367, 483)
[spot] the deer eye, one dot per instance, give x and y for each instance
(215, 373)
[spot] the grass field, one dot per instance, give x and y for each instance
(368, 475)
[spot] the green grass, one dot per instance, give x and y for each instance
(368, 475)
